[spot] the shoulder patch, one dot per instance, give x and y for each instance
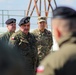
(12, 38)
(40, 69)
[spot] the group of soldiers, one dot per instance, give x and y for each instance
(28, 53)
(32, 46)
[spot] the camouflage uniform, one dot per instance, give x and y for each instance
(5, 37)
(55, 64)
(26, 47)
(44, 42)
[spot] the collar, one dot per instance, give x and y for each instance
(71, 38)
(10, 33)
(39, 32)
(23, 34)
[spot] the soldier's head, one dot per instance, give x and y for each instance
(41, 23)
(11, 24)
(63, 21)
(25, 25)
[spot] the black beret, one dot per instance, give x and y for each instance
(64, 12)
(24, 20)
(11, 20)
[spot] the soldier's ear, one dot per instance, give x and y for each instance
(57, 34)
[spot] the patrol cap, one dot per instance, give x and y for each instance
(41, 19)
(64, 12)
(11, 20)
(24, 20)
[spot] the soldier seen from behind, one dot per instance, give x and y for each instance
(62, 62)
(26, 45)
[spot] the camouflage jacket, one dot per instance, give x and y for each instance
(44, 42)
(61, 62)
(26, 46)
(6, 36)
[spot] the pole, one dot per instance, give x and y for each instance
(45, 7)
(55, 3)
(2, 18)
(36, 8)
(40, 7)
(33, 8)
(27, 12)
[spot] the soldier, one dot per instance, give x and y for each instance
(62, 62)
(11, 26)
(11, 62)
(25, 42)
(43, 37)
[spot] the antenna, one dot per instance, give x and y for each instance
(38, 10)
(47, 7)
